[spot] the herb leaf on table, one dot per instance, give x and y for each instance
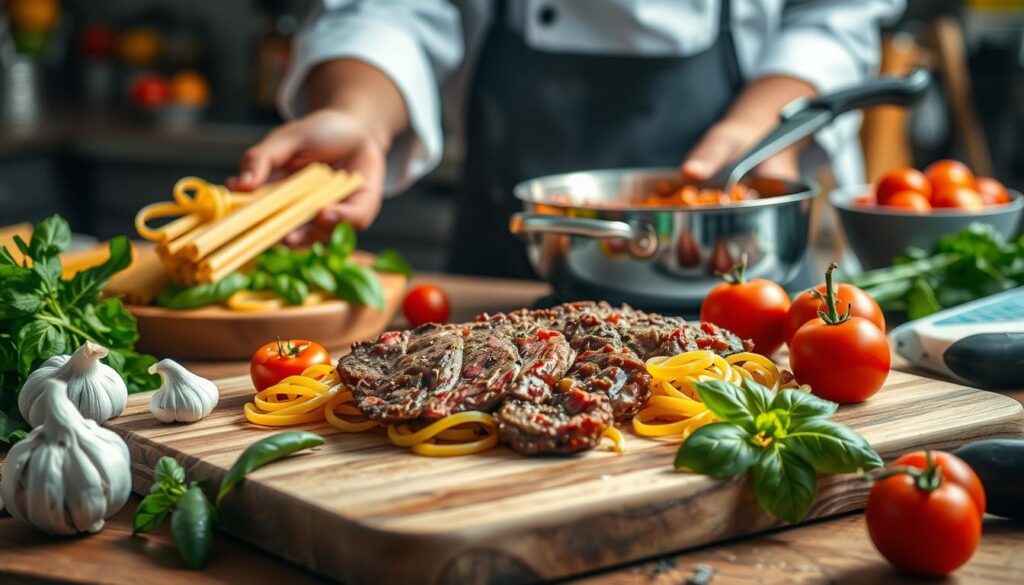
(782, 439)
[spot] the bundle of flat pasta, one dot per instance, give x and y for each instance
(218, 231)
(675, 409)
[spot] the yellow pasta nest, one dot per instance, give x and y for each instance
(318, 394)
(675, 409)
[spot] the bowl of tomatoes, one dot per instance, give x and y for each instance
(909, 208)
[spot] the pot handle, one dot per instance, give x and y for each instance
(640, 239)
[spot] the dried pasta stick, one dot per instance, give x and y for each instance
(273, 201)
(141, 282)
(272, 230)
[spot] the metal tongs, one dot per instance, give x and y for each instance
(803, 117)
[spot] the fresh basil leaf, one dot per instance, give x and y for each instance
(291, 289)
(921, 300)
(785, 485)
(342, 241)
(391, 260)
(358, 284)
(831, 447)
(167, 469)
(192, 527)
(49, 238)
(319, 276)
(87, 284)
(729, 402)
(37, 341)
(48, 269)
(12, 427)
(134, 368)
(202, 295)
(802, 406)
(151, 511)
(259, 280)
(317, 250)
(123, 331)
(758, 398)
(277, 260)
(717, 449)
(20, 293)
(266, 451)
(6, 258)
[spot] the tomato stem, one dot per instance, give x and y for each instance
(738, 273)
(927, 480)
(832, 317)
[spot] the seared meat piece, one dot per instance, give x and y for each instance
(546, 356)
(407, 383)
(573, 421)
(615, 373)
(489, 363)
(588, 331)
(707, 336)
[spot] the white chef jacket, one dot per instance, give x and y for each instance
(427, 48)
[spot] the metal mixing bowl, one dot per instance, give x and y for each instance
(586, 235)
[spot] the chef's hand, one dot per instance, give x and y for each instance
(356, 111)
(754, 114)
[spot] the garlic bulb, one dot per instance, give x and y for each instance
(96, 390)
(69, 474)
(183, 396)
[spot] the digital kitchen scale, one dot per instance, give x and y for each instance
(980, 342)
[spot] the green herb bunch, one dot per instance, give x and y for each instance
(972, 264)
(783, 439)
(292, 274)
(43, 315)
(192, 515)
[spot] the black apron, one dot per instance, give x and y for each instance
(533, 113)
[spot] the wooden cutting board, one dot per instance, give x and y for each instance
(365, 512)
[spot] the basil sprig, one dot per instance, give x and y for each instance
(293, 274)
(783, 439)
(192, 514)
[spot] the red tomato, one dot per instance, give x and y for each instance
(151, 91)
(954, 470)
(948, 173)
(753, 309)
(806, 306)
(957, 197)
(426, 303)
(910, 201)
(277, 360)
(992, 191)
(904, 179)
(845, 363)
(923, 529)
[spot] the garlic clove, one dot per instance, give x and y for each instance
(182, 396)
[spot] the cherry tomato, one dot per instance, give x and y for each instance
(923, 524)
(844, 359)
(277, 360)
(903, 179)
(948, 173)
(957, 197)
(954, 470)
(910, 201)
(753, 309)
(992, 191)
(426, 303)
(151, 91)
(806, 306)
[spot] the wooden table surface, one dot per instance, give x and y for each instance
(833, 551)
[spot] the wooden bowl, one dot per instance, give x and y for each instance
(216, 333)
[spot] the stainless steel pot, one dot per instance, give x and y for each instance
(655, 257)
(585, 237)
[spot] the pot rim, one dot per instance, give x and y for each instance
(527, 191)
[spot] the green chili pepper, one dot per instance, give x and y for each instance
(192, 527)
(266, 451)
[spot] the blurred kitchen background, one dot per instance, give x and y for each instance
(104, 104)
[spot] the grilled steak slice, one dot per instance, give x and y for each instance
(706, 336)
(546, 356)
(370, 362)
(613, 372)
(573, 421)
(489, 363)
(430, 365)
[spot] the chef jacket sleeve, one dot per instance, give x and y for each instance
(829, 44)
(416, 44)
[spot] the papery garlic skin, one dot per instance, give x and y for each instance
(183, 396)
(69, 474)
(96, 390)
